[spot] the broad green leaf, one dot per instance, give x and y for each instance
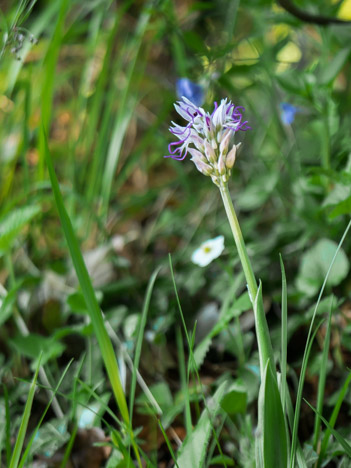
(255, 194)
(235, 400)
(274, 449)
(193, 451)
(330, 72)
(315, 264)
(227, 314)
(13, 223)
(76, 303)
(222, 460)
(6, 304)
(33, 345)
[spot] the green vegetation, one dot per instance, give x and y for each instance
(120, 347)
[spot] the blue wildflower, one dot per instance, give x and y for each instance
(192, 91)
(287, 113)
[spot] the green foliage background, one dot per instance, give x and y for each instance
(102, 81)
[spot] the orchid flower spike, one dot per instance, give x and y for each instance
(208, 137)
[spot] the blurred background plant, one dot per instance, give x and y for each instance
(102, 76)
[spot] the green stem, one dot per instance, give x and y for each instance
(263, 339)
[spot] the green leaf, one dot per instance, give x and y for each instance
(76, 303)
(13, 223)
(315, 264)
(330, 72)
(93, 308)
(341, 208)
(342, 393)
(274, 448)
(33, 345)
(24, 422)
(338, 437)
(7, 303)
(193, 450)
(222, 460)
(235, 400)
(257, 193)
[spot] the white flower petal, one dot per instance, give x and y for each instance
(208, 251)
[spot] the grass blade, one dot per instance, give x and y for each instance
(24, 423)
(93, 308)
(29, 444)
(305, 356)
(140, 338)
(338, 437)
(274, 450)
(284, 336)
(322, 380)
(193, 451)
(50, 62)
(333, 418)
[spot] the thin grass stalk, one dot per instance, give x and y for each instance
(322, 380)
(140, 335)
(24, 422)
(306, 353)
(263, 338)
(35, 432)
(284, 337)
(93, 307)
(333, 419)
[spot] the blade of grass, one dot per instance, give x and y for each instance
(284, 336)
(193, 451)
(69, 447)
(101, 105)
(140, 335)
(322, 379)
(332, 419)
(50, 63)
(31, 440)
(7, 425)
(95, 314)
(200, 436)
(45, 19)
(338, 437)
(24, 422)
(271, 421)
(305, 356)
(184, 381)
(125, 112)
(168, 443)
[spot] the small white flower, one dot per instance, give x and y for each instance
(208, 251)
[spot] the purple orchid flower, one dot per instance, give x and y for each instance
(226, 119)
(208, 137)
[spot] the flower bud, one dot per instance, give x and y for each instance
(221, 165)
(223, 147)
(202, 167)
(198, 142)
(210, 153)
(197, 154)
(230, 159)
